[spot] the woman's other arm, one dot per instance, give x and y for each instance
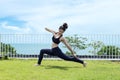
(49, 30)
(68, 46)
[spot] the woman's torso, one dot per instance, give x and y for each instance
(56, 39)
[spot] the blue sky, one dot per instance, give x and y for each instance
(83, 16)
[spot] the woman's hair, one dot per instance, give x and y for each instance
(64, 26)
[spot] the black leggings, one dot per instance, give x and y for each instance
(57, 52)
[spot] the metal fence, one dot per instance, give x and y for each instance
(96, 47)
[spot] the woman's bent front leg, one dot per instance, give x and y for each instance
(42, 52)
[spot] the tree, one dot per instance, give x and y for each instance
(96, 45)
(7, 48)
(76, 42)
(109, 50)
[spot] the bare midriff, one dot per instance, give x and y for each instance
(54, 45)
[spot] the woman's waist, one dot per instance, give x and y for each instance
(54, 45)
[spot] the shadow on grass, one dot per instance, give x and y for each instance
(60, 67)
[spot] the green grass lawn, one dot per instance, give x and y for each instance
(58, 70)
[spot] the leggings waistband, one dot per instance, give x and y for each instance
(55, 48)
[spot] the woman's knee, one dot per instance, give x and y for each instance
(42, 51)
(45, 51)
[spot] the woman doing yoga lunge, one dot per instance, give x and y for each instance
(56, 51)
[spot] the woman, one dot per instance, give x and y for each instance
(56, 51)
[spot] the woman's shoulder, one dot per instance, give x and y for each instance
(62, 38)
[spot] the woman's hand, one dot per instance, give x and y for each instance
(46, 28)
(50, 30)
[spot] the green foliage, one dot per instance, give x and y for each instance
(76, 42)
(109, 50)
(96, 45)
(7, 49)
(68, 53)
(5, 57)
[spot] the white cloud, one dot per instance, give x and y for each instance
(14, 29)
(4, 25)
(85, 15)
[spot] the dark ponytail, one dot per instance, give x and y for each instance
(64, 26)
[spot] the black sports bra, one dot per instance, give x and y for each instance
(56, 40)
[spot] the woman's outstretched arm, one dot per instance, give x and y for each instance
(68, 46)
(49, 30)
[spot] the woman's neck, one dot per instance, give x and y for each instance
(59, 33)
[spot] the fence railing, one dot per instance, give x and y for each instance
(97, 47)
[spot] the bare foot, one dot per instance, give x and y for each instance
(37, 64)
(84, 64)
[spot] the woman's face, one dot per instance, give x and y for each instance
(61, 31)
